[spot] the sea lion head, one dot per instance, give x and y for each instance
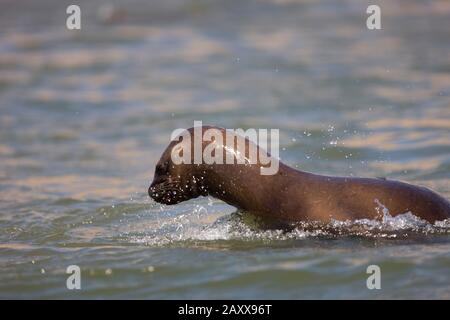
(174, 183)
(180, 175)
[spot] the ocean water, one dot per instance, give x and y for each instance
(85, 115)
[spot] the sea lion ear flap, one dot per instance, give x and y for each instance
(181, 151)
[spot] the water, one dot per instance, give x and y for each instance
(85, 116)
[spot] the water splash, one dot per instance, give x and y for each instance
(197, 226)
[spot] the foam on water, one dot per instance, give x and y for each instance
(239, 226)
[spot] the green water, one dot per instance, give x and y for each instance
(85, 115)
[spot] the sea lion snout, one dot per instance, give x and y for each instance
(163, 187)
(159, 190)
(167, 190)
(153, 190)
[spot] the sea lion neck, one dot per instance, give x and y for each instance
(243, 187)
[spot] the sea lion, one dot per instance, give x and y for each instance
(290, 195)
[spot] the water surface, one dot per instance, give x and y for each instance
(85, 115)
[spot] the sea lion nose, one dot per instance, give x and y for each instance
(152, 190)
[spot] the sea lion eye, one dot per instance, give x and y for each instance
(161, 168)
